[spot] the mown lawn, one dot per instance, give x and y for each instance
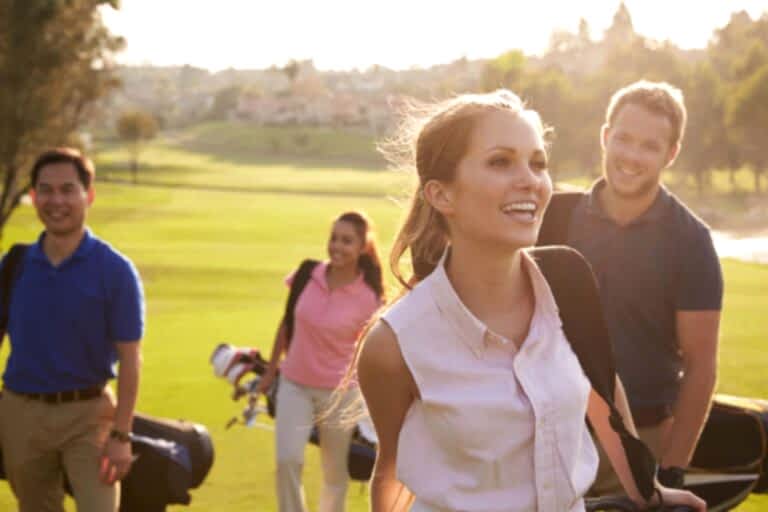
(213, 263)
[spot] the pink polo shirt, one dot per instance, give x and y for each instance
(326, 327)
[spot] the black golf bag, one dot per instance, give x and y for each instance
(731, 461)
(174, 456)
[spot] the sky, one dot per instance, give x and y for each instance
(399, 34)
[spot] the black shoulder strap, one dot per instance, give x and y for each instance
(557, 218)
(300, 280)
(8, 274)
(575, 291)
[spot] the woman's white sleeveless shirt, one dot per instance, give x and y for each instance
(496, 428)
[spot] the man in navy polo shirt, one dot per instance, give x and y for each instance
(659, 276)
(76, 309)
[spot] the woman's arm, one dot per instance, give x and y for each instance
(598, 413)
(389, 391)
(278, 347)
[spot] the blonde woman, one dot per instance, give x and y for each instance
(477, 398)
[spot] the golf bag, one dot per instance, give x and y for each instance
(174, 456)
(730, 460)
(234, 364)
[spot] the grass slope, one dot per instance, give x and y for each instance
(213, 264)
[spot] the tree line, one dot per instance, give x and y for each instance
(57, 61)
(725, 87)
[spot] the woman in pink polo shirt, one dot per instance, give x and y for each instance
(338, 301)
(477, 398)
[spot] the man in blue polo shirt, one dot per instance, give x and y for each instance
(659, 276)
(76, 309)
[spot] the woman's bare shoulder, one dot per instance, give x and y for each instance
(381, 352)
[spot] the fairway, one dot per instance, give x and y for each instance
(213, 264)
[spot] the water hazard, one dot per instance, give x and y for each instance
(752, 248)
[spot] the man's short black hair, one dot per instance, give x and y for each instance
(85, 170)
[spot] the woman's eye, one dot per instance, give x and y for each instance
(499, 161)
(539, 165)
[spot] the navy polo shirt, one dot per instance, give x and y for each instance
(662, 262)
(64, 321)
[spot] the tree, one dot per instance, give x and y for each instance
(225, 102)
(55, 61)
(708, 139)
(291, 70)
(747, 118)
(621, 31)
(136, 128)
(506, 70)
(584, 34)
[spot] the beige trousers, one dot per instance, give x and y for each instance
(297, 409)
(41, 442)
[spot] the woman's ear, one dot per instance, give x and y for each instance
(439, 195)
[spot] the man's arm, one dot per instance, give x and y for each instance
(698, 333)
(129, 357)
(598, 413)
(117, 453)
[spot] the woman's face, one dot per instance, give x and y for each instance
(344, 245)
(501, 186)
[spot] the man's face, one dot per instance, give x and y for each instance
(636, 148)
(60, 199)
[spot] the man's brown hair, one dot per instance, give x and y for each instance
(85, 169)
(657, 97)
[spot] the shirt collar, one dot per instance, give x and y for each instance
(86, 244)
(471, 329)
(655, 213)
(319, 275)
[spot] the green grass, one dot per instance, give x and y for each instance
(213, 263)
(168, 163)
(243, 141)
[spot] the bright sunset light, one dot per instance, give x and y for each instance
(344, 34)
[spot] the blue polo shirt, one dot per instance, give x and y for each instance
(662, 262)
(64, 321)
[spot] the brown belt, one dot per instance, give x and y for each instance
(62, 397)
(651, 416)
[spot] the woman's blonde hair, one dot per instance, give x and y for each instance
(432, 139)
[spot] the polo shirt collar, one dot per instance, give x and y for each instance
(319, 275)
(84, 247)
(655, 213)
(471, 329)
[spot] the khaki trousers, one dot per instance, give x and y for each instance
(297, 409)
(607, 482)
(41, 442)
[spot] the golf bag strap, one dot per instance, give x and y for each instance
(300, 280)
(557, 218)
(575, 291)
(8, 274)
